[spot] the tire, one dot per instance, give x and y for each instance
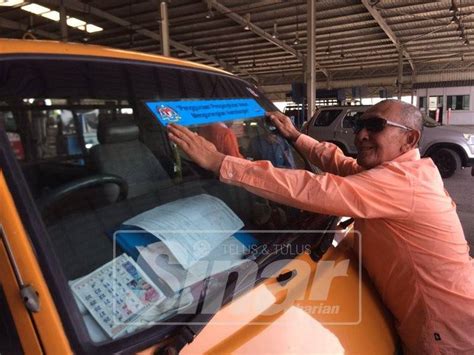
(447, 161)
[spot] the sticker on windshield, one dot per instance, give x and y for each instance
(202, 112)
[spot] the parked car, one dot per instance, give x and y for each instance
(449, 148)
(83, 272)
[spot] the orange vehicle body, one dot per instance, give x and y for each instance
(271, 318)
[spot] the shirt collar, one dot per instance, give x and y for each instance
(411, 155)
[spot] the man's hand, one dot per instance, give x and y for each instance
(284, 125)
(201, 151)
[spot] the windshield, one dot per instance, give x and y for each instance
(112, 191)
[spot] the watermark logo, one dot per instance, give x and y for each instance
(269, 278)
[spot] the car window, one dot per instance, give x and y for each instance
(98, 164)
(350, 116)
(326, 117)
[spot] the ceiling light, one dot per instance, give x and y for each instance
(297, 39)
(93, 28)
(10, 2)
(209, 14)
(74, 22)
(453, 7)
(275, 31)
(247, 22)
(55, 16)
(35, 9)
(52, 15)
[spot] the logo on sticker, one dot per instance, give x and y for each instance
(168, 114)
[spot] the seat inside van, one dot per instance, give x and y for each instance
(121, 153)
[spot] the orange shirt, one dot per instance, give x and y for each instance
(413, 245)
(222, 137)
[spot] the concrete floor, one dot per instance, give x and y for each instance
(461, 188)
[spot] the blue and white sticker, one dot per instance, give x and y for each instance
(203, 112)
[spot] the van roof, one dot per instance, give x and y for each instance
(16, 46)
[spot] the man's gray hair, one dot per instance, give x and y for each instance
(411, 115)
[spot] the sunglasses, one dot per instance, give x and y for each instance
(374, 124)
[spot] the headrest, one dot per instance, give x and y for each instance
(117, 131)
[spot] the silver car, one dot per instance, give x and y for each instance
(451, 148)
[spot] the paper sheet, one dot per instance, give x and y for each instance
(157, 261)
(190, 227)
(117, 294)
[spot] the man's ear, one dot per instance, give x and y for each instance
(412, 138)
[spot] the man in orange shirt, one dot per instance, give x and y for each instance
(413, 243)
(222, 137)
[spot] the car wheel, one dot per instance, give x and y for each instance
(447, 161)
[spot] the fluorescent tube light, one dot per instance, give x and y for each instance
(74, 22)
(55, 16)
(93, 28)
(35, 9)
(52, 15)
(10, 2)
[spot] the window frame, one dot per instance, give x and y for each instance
(454, 99)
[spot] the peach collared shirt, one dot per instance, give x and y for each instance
(413, 245)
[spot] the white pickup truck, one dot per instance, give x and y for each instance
(451, 148)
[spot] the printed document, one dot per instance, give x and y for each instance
(117, 294)
(190, 227)
(160, 265)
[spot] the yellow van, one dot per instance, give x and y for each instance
(112, 241)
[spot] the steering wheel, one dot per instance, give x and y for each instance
(60, 193)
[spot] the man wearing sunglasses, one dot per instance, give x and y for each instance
(412, 240)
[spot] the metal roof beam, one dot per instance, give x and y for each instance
(13, 25)
(259, 31)
(82, 7)
(384, 26)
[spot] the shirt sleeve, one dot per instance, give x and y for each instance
(375, 193)
(327, 156)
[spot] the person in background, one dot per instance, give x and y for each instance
(272, 147)
(222, 137)
(413, 245)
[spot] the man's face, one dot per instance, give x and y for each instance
(374, 148)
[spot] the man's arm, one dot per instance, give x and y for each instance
(328, 157)
(380, 192)
(375, 193)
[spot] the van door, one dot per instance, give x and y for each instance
(25, 300)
